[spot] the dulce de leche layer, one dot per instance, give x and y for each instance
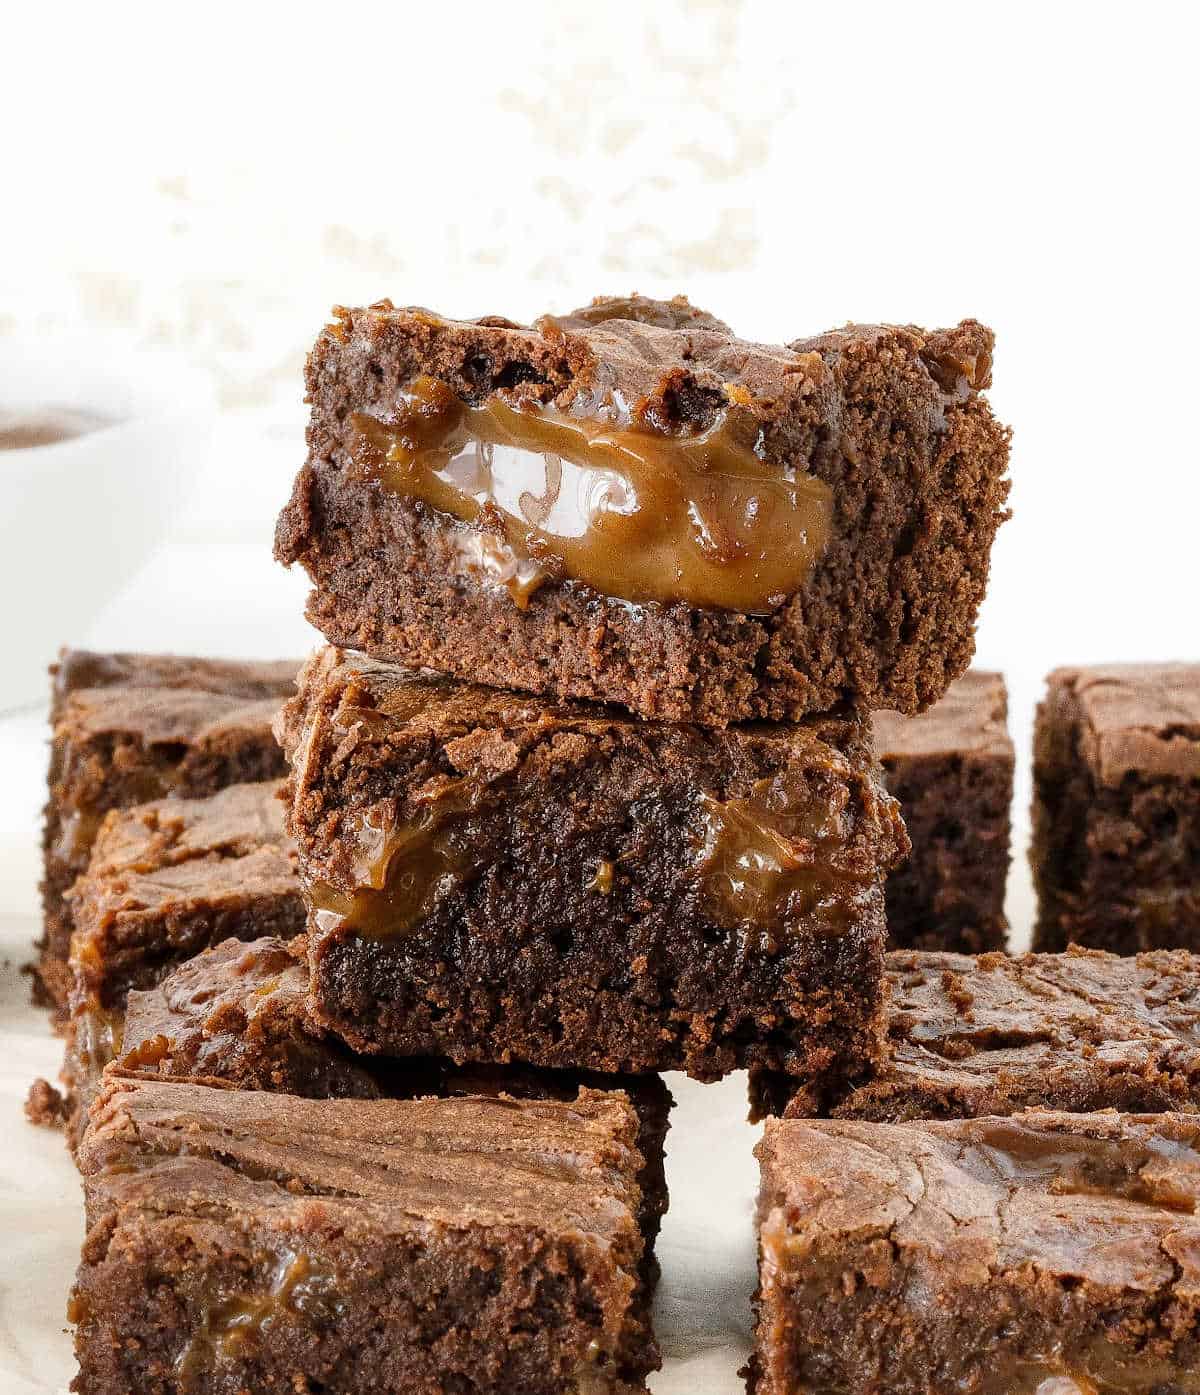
(599, 494)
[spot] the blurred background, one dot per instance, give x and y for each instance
(203, 189)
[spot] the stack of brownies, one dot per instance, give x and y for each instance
(366, 1026)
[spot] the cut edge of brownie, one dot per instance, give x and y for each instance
(952, 768)
(1116, 808)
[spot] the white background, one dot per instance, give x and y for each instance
(213, 180)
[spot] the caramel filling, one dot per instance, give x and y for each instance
(602, 499)
(399, 869)
(230, 1326)
(773, 857)
(763, 861)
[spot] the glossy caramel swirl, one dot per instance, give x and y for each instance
(400, 868)
(603, 499)
(771, 857)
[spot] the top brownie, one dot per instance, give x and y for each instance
(1116, 836)
(630, 504)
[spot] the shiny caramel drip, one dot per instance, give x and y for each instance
(772, 856)
(632, 512)
(400, 867)
(97, 1035)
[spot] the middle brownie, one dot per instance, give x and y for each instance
(494, 878)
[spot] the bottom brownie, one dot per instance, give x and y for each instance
(236, 1013)
(1044, 1254)
(244, 1241)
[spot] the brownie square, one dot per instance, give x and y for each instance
(1116, 810)
(238, 1013)
(989, 1034)
(494, 877)
(951, 768)
(168, 878)
(129, 728)
(240, 1240)
(1043, 1254)
(631, 504)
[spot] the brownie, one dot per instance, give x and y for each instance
(1042, 1254)
(1078, 1031)
(240, 1240)
(630, 504)
(237, 1013)
(128, 728)
(167, 879)
(494, 877)
(171, 877)
(951, 768)
(1116, 810)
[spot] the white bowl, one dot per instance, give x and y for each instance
(79, 517)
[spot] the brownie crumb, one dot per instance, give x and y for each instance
(45, 1106)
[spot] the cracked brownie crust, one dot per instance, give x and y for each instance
(495, 877)
(1081, 1031)
(246, 1241)
(1044, 1254)
(129, 728)
(951, 768)
(890, 423)
(1116, 811)
(166, 880)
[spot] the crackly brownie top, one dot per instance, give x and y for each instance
(175, 855)
(1139, 718)
(227, 1011)
(970, 719)
(676, 365)
(161, 717)
(1106, 1199)
(994, 1032)
(233, 822)
(184, 1146)
(84, 668)
(349, 688)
